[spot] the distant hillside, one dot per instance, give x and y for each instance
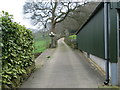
(75, 19)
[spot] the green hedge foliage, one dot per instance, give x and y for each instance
(17, 48)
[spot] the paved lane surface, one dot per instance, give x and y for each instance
(65, 69)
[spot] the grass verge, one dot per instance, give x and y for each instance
(40, 45)
(72, 37)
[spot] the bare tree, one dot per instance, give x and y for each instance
(52, 12)
(75, 19)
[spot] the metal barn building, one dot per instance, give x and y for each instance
(99, 38)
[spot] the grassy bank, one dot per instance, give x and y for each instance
(40, 43)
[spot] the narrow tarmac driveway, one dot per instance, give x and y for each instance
(66, 69)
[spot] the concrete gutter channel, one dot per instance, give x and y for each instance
(99, 70)
(94, 65)
(91, 64)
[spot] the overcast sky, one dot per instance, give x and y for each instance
(15, 8)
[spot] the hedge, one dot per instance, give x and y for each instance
(17, 48)
(71, 41)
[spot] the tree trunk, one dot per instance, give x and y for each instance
(53, 39)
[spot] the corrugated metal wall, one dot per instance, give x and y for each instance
(91, 36)
(113, 33)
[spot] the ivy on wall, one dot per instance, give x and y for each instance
(17, 48)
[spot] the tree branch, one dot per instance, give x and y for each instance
(62, 18)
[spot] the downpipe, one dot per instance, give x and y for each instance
(106, 40)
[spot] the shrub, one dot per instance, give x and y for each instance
(17, 47)
(71, 41)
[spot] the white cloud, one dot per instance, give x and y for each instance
(15, 8)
